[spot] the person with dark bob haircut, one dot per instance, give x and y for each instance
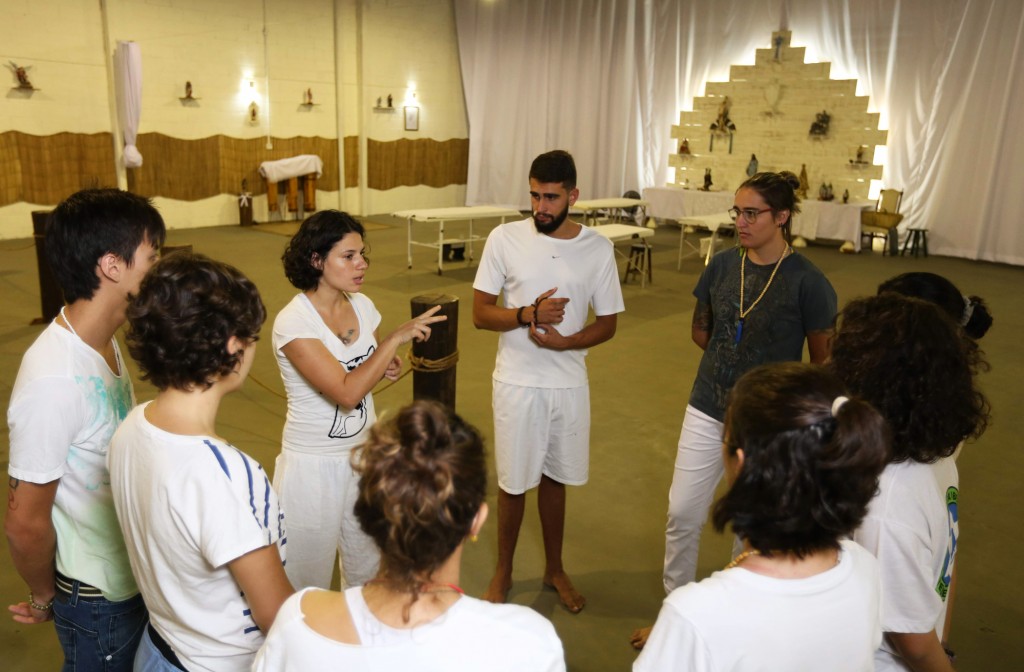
(204, 530)
(970, 312)
(803, 462)
(910, 361)
(331, 356)
(757, 304)
(422, 486)
(71, 393)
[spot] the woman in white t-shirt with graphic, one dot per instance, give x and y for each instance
(803, 463)
(423, 480)
(327, 347)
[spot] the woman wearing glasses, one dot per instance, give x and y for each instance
(756, 304)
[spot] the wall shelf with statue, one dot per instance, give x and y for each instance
(21, 75)
(189, 100)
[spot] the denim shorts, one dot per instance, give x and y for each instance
(97, 634)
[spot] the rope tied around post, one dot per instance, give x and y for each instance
(426, 365)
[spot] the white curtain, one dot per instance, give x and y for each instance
(606, 79)
(128, 90)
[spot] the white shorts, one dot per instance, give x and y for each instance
(538, 431)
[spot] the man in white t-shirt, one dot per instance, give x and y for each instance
(550, 271)
(71, 393)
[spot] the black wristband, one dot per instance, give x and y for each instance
(519, 316)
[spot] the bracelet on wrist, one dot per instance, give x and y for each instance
(39, 607)
(519, 316)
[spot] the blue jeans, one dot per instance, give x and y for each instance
(97, 634)
(149, 658)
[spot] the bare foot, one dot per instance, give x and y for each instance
(497, 592)
(639, 637)
(567, 593)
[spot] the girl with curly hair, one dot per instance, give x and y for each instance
(422, 484)
(802, 461)
(204, 531)
(909, 360)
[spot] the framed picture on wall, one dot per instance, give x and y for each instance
(412, 118)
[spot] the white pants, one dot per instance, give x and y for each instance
(318, 494)
(698, 469)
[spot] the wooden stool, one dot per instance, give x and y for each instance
(638, 262)
(917, 241)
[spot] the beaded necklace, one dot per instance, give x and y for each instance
(744, 313)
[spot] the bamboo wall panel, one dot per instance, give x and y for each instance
(351, 148)
(190, 170)
(46, 169)
(410, 163)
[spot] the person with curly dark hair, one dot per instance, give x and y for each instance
(331, 356)
(757, 304)
(422, 486)
(71, 393)
(970, 312)
(909, 360)
(204, 530)
(803, 463)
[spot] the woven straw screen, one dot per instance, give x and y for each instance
(409, 163)
(190, 170)
(45, 169)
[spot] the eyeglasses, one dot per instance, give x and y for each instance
(750, 215)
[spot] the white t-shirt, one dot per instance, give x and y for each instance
(472, 635)
(315, 424)
(739, 621)
(912, 527)
(65, 405)
(188, 506)
(522, 264)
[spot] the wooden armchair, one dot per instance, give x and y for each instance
(883, 220)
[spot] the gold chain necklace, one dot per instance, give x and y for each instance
(744, 313)
(741, 557)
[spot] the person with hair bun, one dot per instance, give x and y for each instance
(910, 361)
(204, 531)
(422, 485)
(803, 462)
(331, 356)
(970, 312)
(755, 305)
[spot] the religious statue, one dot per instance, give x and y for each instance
(390, 101)
(723, 124)
(22, 74)
(846, 195)
(778, 41)
(752, 166)
(860, 154)
(825, 192)
(707, 180)
(188, 90)
(820, 126)
(684, 147)
(379, 101)
(309, 96)
(804, 184)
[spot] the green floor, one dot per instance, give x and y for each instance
(639, 385)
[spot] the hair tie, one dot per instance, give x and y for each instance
(968, 311)
(837, 403)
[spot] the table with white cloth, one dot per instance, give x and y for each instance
(622, 232)
(830, 220)
(440, 216)
(307, 166)
(593, 207)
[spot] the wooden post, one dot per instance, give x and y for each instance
(292, 194)
(51, 297)
(309, 193)
(434, 360)
(271, 197)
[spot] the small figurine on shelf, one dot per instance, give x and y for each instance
(684, 147)
(752, 166)
(254, 113)
(819, 128)
(825, 192)
(860, 154)
(723, 124)
(22, 75)
(707, 180)
(778, 42)
(805, 185)
(390, 101)
(380, 101)
(188, 89)
(309, 96)
(846, 195)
